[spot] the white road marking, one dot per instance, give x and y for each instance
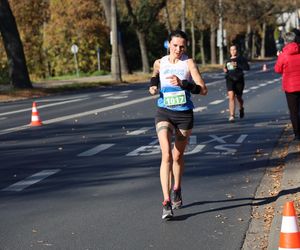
(200, 109)
(3, 118)
(19, 186)
(145, 150)
(139, 131)
(42, 106)
(117, 97)
(154, 142)
(246, 90)
(61, 99)
(96, 150)
(86, 113)
(216, 102)
(254, 87)
(196, 150)
(126, 91)
(263, 84)
(241, 138)
(105, 95)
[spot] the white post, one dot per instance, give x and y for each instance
(98, 58)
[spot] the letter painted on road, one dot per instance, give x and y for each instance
(145, 150)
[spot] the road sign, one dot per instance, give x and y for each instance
(166, 44)
(74, 48)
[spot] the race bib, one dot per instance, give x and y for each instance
(174, 98)
(230, 66)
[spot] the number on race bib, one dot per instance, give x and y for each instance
(174, 98)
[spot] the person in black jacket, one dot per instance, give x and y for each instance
(235, 82)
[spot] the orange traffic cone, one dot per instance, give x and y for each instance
(289, 234)
(35, 119)
(264, 67)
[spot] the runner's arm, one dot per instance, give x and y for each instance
(196, 75)
(154, 82)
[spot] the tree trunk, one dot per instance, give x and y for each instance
(193, 40)
(167, 18)
(115, 59)
(247, 42)
(143, 48)
(263, 40)
(253, 50)
(213, 56)
(123, 60)
(202, 51)
(18, 71)
(183, 10)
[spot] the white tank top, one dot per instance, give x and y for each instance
(181, 70)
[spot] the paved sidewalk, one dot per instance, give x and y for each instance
(268, 208)
(290, 191)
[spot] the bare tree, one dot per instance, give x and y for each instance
(18, 71)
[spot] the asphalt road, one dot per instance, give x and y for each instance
(89, 177)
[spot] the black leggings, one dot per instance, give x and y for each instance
(293, 101)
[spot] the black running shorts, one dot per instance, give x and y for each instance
(179, 119)
(236, 87)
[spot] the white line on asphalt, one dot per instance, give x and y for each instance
(118, 97)
(241, 138)
(95, 150)
(42, 106)
(105, 95)
(139, 131)
(216, 102)
(126, 91)
(3, 118)
(200, 109)
(19, 186)
(254, 87)
(94, 111)
(61, 99)
(86, 113)
(263, 84)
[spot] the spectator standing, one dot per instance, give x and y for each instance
(288, 64)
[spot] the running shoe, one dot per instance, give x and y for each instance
(231, 118)
(176, 199)
(167, 210)
(242, 113)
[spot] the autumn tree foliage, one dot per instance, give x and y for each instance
(76, 22)
(31, 16)
(46, 29)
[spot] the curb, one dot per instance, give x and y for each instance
(290, 188)
(264, 226)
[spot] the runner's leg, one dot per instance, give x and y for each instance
(231, 99)
(164, 133)
(181, 141)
